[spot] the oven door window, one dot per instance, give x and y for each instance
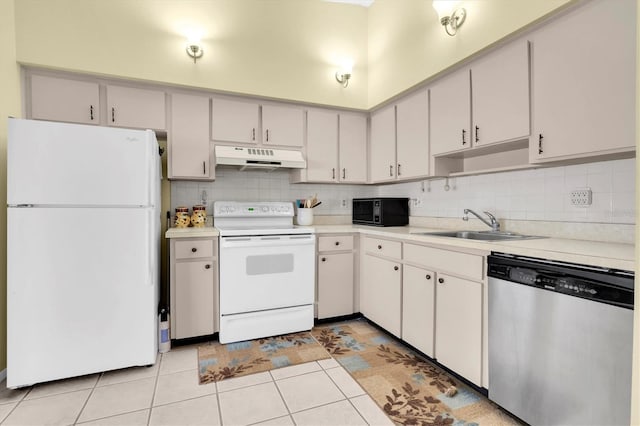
(269, 264)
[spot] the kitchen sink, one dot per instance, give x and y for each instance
(480, 235)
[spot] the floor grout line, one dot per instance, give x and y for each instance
(86, 401)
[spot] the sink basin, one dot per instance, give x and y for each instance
(480, 235)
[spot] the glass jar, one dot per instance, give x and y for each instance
(182, 218)
(199, 216)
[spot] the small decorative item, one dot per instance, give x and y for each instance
(451, 391)
(199, 216)
(182, 219)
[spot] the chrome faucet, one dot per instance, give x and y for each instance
(495, 226)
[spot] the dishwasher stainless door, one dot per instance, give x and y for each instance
(556, 359)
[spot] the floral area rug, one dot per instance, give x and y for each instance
(217, 362)
(410, 390)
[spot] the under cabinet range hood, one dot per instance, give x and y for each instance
(259, 158)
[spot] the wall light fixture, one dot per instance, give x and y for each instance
(450, 17)
(194, 50)
(343, 77)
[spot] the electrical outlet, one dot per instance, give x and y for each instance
(418, 202)
(581, 197)
(344, 203)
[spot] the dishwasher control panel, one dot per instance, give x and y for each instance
(584, 283)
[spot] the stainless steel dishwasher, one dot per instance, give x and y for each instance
(560, 341)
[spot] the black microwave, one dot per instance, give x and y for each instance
(380, 211)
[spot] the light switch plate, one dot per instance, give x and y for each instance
(581, 197)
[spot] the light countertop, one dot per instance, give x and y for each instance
(593, 253)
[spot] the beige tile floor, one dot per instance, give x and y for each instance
(168, 393)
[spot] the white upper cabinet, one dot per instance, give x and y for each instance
(135, 108)
(412, 144)
(383, 145)
(234, 121)
(59, 99)
(500, 98)
(451, 113)
(353, 148)
(322, 146)
(189, 152)
(584, 73)
(336, 147)
(282, 125)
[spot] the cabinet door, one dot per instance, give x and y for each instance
(584, 67)
(381, 293)
(136, 108)
(412, 116)
(335, 285)
(189, 138)
(501, 95)
(234, 121)
(383, 145)
(353, 148)
(459, 326)
(451, 113)
(59, 99)
(418, 310)
(194, 304)
(282, 125)
(322, 146)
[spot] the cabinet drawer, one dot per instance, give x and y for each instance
(335, 243)
(383, 247)
(192, 249)
(463, 264)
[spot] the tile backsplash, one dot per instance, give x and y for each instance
(538, 194)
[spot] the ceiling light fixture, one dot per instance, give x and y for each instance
(452, 22)
(194, 50)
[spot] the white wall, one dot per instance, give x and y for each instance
(540, 194)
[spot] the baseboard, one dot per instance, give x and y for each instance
(3, 375)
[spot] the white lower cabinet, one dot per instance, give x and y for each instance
(335, 285)
(418, 304)
(381, 292)
(336, 268)
(458, 337)
(193, 287)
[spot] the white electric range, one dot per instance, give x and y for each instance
(267, 270)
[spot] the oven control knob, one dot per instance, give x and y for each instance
(265, 209)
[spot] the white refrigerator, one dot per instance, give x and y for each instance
(83, 242)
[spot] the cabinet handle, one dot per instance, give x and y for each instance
(428, 276)
(477, 137)
(464, 132)
(337, 243)
(441, 280)
(390, 170)
(333, 173)
(379, 247)
(207, 266)
(204, 168)
(540, 137)
(267, 135)
(344, 173)
(193, 250)
(253, 134)
(395, 268)
(91, 112)
(324, 259)
(113, 115)
(398, 169)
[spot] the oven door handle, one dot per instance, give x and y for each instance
(267, 241)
